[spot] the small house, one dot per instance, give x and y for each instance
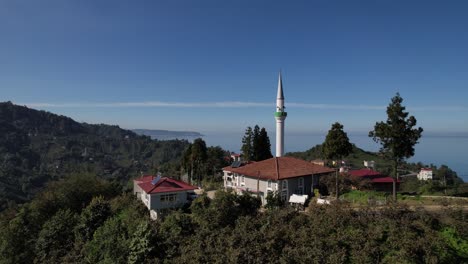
(379, 181)
(425, 174)
(158, 192)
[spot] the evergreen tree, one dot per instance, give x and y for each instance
(264, 146)
(255, 143)
(247, 141)
(336, 146)
(194, 159)
(397, 136)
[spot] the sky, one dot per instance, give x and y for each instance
(212, 66)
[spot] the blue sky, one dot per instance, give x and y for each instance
(213, 65)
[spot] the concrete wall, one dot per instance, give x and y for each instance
(250, 184)
(156, 204)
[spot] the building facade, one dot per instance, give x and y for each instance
(425, 174)
(162, 192)
(284, 175)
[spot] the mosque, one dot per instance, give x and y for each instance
(287, 176)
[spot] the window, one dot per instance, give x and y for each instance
(168, 198)
(300, 186)
(269, 184)
(284, 192)
(242, 180)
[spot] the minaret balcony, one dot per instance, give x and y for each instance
(281, 114)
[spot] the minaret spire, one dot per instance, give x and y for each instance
(280, 116)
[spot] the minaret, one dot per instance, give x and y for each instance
(280, 116)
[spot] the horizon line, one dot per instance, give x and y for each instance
(232, 104)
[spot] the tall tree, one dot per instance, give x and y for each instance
(336, 146)
(216, 159)
(263, 150)
(198, 157)
(247, 140)
(255, 143)
(397, 135)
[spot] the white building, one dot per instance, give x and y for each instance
(284, 175)
(425, 174)
(158, 192)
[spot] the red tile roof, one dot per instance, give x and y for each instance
(280, 168)
(374, 176)
(164, 185)
(383, 180)
(364, 173)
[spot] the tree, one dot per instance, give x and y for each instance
(247, 141)
(141, 243)
(110, 243)
(336, 146)
(263, 147)
(397, 135)
(256, 144)
(92, 217)
(56, 237)
(216, 159)
(194, 159)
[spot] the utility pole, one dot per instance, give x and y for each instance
(336, 181)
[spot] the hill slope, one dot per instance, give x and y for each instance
(38, 146)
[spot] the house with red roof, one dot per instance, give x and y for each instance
(285, 175)
(379, 181)
(158, 192)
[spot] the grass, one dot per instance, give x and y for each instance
(364, 197)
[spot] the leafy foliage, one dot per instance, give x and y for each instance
(397, 135)
(336, 145)
(202, 163)
(56, 237)
(231, 229)
(37, 147)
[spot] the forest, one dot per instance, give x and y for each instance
(66, 199)
(84, 219)
(37, 147)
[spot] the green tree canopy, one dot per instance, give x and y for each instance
(336, 145)
(256, 144)
(397, 135)
(194, 160)
(247, 141)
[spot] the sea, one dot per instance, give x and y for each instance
(450, 150)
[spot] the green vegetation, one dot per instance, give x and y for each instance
(37, 147)
(110, 228)
(365, 197)
(256, 144)
(397, 136)
(204, 165)
(335, 147)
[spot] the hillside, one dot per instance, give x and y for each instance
(161, 134)
(355, 159)
(443, 175)
(38, 146)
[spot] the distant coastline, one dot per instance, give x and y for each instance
(167, 134)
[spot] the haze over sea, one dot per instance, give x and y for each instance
(437, 149)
